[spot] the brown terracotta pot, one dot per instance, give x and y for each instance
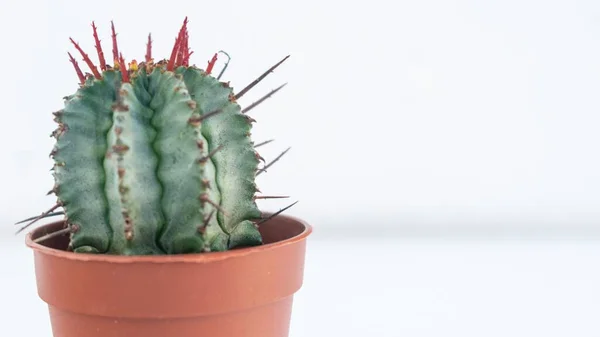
(239, 293)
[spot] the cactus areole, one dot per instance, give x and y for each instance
(155, 158)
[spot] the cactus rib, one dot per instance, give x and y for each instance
(79, 155)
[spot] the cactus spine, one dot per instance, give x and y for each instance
(155, 158)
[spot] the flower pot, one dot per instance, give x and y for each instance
(245, 292)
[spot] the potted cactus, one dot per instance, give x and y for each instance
(154, 175)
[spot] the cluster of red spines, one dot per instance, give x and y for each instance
(87, 60)
(180, 51)
(180, 55)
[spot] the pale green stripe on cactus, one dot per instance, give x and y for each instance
(79, 154)
(132, 187)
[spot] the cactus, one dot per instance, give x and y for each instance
(155, 158)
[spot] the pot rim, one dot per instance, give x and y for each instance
(161, 259)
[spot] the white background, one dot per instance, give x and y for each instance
(460, 118)
(427, 113)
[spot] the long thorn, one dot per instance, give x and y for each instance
(46, 216)
(185, 47)
(186, 50)
(210, 154)
(77, 69)
(179, 57)
(210, 114)
(52, 235)
(262, 99)
(260, 78)
(204, 198)
(123, 69)
(264, 143)
(149, 49)
(276, 214)
(225, 66)
(41, 216)
(99, 48)
(271, 197)
(186, 60)
(272, 162)
(207, 218)
(87, 60)
(196, 120)
(115, 48)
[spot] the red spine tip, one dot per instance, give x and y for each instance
(149, 49)
(180, 54)
(171, 62)
(123, 68)
(186, 49)
(211, 64)
(177, 46)
(77, 69)
(188, 57)
(115, 49)
(99, 48)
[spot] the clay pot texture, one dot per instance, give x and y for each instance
(245, 292)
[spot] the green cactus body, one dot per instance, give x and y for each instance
(155, 159)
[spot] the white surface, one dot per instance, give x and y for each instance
(425, 112)
(399, 287)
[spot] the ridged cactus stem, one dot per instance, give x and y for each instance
(156, 158)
